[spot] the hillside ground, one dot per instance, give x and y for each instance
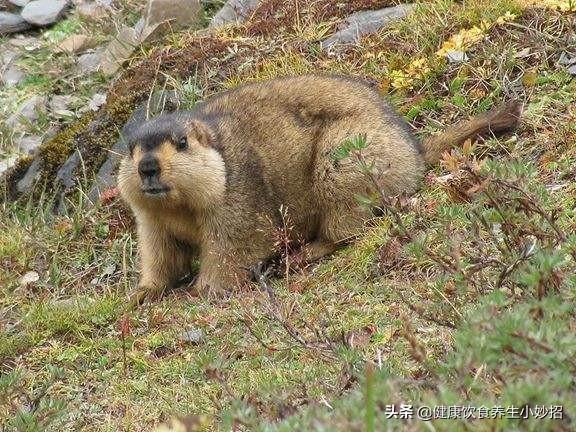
(463, 294)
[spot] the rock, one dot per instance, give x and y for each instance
(26, 183)
(12, 23)
(12, 76)
(65, 174)
(362, 23)
(75, 44)
(60, 102)
(19, 3)
(29, 277)
(233, 12)
(7, 57)
(28, 111)
(97, 101)
(89, 62)
(91, 10)
(175, 14)
(28, 43)
(6, 164)
(567, 59)
(29, 144)
(106, 176)
(44, 12)
(118, 50)
(456, 56)
(192, 336)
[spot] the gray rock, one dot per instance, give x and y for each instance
(572, 69)
(567, 59)
(74, 44)
(7, 57)
(91, 10)
(12, 76)
(6, 164)
(362, 23)
(29, 144)
(26, 183)
(456, 56)
(192, 336)
(60, 103)
(106, 177)
(28, 43)
(28, 111)
(44, 12)
(89, 62)
(234, 12)
(12, 23)
(20, 3)
(96, 101)
(118, 50)
(175, 13)
(65, 174)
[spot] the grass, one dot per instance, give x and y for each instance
(463, 295)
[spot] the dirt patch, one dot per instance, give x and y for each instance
(277, 16)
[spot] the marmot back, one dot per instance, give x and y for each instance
(214, 178)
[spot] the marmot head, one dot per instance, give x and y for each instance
(172, 162)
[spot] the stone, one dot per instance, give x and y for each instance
(192, 336)
(93, 11)
(455, 56)
(65, 174)
(566, 59)
(97, 101)
(176, 14)
(89, 62)
(29, 144)
(28, 43)
(75, 43)
(44, 12)
(26, 183)
(365, 22)
(233, 12)
(12, 76)
(118, 50)
(29, 277)
(7, 57)
(7, 163)
(143, 33)
(12, 23)
(161, 101)
(20, 3)
(60, 103)
(572, 70)
(28, 111)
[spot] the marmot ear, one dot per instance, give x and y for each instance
(201, 132)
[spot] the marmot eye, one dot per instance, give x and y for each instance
(182, 144)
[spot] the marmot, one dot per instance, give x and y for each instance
(209, 183)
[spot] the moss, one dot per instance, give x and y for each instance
(54, 152)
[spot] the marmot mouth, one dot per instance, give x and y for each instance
(155, 191)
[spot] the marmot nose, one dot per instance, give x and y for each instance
(149, 167)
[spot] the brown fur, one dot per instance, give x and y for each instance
(261, 146)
